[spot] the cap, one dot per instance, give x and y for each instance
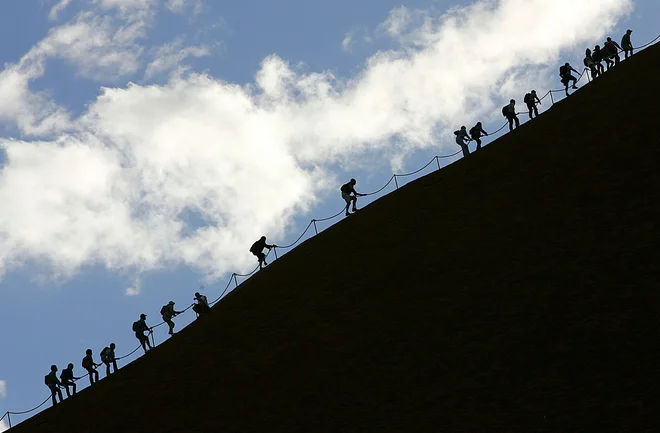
(170, 303)
(143, 315)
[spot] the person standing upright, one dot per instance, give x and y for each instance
(531, 99)
(626, 45)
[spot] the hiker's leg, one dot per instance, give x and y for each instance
(114, 365)
(354, 200)
(478, 140)
(510, 119)
(107, 369)
(59, 394)
(73, 385)
(517, 121)
(531, 110)
(52, 395)
(536, 111)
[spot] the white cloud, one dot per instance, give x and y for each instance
(347, 43)
(191, 172)
(170, 56)
(57, 8)
(3, 426)
(398, 21)
(3, 388)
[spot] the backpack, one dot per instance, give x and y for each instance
(86, 363)
(136, 326)
(163, 310)
(104, 354)
(46, 381)
(505, 111)
(473, 131)
(563, 70)
(528, 98)
(456, 133)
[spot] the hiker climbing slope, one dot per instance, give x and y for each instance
(257, 249)
(140, 327)
(509, 111)
(476, 132)
(566, 77)
(626, 45)
(462, 139)
(108, 358)
(202, 305)
(168, 312)
(89, 365)
(349, 195)
(68, 380)
(54, 384)
(531, 99)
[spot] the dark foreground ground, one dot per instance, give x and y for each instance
(516, 291)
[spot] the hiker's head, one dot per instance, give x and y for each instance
(628, 31)
(513, 101)
(353, 181)
(462, 127)
(197, 295)
(143, 316)
(566, 64)
(609, 39)
(533, 92)
(88, 352)
(53, 368)
(597, 47)
(588, 52)
(263, 238)
(70, 366)
(479, 124)
(170, 303)
(112, 346)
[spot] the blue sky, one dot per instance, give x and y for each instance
(147, 143)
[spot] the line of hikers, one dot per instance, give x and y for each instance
(67, 379)
(609, 54)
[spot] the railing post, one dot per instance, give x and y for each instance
(9, 419)
(153, 341)
(437, 160)
(275, 251)
(235, 280)
(551, 98)
(586, 71)
(395, 182)
(316, 231)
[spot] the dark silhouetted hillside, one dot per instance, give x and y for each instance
(515, 291)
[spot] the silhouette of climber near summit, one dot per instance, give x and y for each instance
(68, 380)
(509, 111)
(597, 56)
(349, 195)
(590, 63)
(257, 249)
(531, 99)
(476, 132)
(462, 139)
(89, 365)
(566, 77)
(140, 327)
(53, 383)
(201, 307)
(612, 49)
(626, 45)
(168, 312)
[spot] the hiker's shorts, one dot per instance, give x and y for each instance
(347, 197)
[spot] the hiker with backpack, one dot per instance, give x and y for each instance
(89, 365)
(566, 77)
(591, 64)
(68, 380)
(476, 132)
(531, 99)
(509, 111)
(168, 312)
(349, 195)
(140, 327)
(613, 50)
(54, 384)
(462, 139)
(626, 45)
(257, 249)
(202, 305)
(108, 358)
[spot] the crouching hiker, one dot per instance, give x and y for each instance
(68, 380)
(462, 139)
(89, 365)
(108, 358)
(349, 195)
(566, 77)
(509, 111)
(53, 383)
(140, 327)
(257, 249)
(202, 305)
(168, 312)
(476, 132)
(531, 99)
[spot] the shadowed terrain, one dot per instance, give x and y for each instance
(514, 291)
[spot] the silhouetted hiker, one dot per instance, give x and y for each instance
(597, 55)
(613, 50)
(202, 304)
(68, 380)
(257, 249)
(626, 45)
(566, 77)
(168, 312)
(476, 133)
(531, 99)
(462, 139)
(349, 195)
(509, 111)
(89, 365)
(108, 358)
(140, 327)
(53, 383)
(591, 64)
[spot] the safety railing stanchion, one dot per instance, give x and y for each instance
(395, 182)
(316, 230)
(551, 98)
(275, 251)
(9, 419)
(437, 160)
(153, 340)
(235, 280)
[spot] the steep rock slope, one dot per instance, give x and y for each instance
(513, 291)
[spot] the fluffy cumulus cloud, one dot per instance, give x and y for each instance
(3, 389)
(189, 172)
